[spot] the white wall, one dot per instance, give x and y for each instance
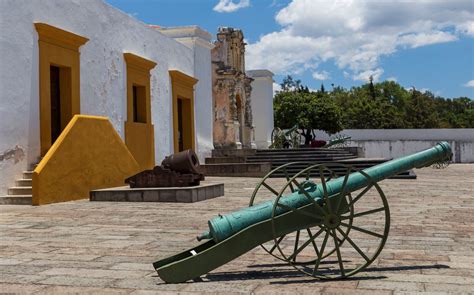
(393, 143)
(199, 41)
(103, 80)
(262, 106)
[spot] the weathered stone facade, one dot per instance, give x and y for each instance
(231, 92)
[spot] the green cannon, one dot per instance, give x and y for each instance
(338, 141)
(290, 138)
(328, 228)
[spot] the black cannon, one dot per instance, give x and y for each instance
(180, 169)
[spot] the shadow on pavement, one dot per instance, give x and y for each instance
(292, 273)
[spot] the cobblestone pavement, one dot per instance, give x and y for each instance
(108, 248)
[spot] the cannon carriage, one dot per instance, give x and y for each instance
(331, 227)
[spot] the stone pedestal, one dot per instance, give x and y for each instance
(159, 194)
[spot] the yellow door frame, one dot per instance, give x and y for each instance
(183, 88)
(59, 48)
(139, 135)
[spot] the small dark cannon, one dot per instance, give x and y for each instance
(177, 170)
(329, 228)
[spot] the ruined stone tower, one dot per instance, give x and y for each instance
(231, 92)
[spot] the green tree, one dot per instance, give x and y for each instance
(309, 111)
(421, 111)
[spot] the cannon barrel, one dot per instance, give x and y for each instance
(337, 141)
(291, 130)
(224, 226)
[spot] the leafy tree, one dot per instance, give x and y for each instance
(309, 111)
(372, 105)
(421, 112)
(371, 87)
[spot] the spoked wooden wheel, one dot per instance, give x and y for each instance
(268, 189)
(357, 228)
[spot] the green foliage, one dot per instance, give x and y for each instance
(384, 105)
(308, 110)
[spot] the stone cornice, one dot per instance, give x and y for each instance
(59, 37)
(183, 78)
(138, 61)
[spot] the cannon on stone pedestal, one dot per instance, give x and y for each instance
(177, 170)
(329, 228)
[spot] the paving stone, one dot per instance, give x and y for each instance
(93, 273)
(81, 290)
(20, 289)
(133, 266)
(108, 247)
(390, 285)
(68, 280)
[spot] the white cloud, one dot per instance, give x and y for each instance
(393, 79)
(356, 34)
(230, 6)
(469, 83)
(365, 75)
(423, 39)
(276, 87)
(321, 75)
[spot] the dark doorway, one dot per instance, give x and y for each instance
(55, 103)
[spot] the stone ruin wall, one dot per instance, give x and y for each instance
(231, 91)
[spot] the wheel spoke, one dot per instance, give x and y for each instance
(305, 244)
(299, 211)
(325, 189)
(270, 188)
(288, 179)
(353, 245)
(364, 213)
(305, 193)
(360, 195)
(338, 251)
(276, 244)
(366, 231)
(323, 246)
(344, 188)
(296, 245)
(310, 234)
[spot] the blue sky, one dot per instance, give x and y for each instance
(428, 45)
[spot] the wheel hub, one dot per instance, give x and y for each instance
(332, 221)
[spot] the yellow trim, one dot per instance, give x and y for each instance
(58, 48)
(59, 37)
(139, 136)
(89, 154)
(183, 88)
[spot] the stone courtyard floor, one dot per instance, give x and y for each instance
(108, 248)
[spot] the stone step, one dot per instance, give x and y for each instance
(233, 152)
(220, 160)
(299, 159)
(20, 190)
(300, 154)
(236, 169)
(27, 174)
(24, 182)
(321, 150)
(16, 200)
(315, 153)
